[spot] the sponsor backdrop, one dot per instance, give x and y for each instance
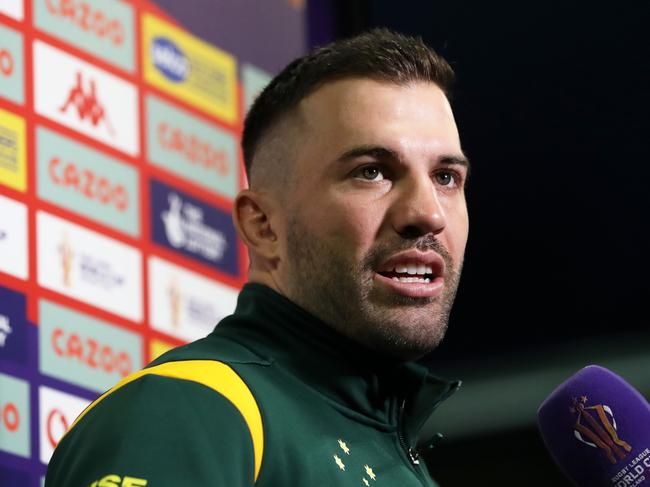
(119, 160)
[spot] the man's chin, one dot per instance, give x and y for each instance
(405, 350)
(407, 339)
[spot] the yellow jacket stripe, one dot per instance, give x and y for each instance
(215, 375)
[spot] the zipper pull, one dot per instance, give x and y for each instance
(414, 456)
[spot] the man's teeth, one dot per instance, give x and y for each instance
(411, 279)
(413, 269)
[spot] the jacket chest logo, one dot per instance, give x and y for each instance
(343, 455)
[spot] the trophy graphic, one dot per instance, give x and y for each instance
(596, 427)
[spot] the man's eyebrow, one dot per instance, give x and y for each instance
(379, 152)
(455, 160)
(375, 151)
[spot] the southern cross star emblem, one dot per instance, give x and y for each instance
(344, 447)
(370, 473)
(367, 469)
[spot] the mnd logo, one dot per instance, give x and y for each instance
(194, 228)
(596, 427)
(169, 59)
(86, 104)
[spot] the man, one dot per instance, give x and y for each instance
(356, 225)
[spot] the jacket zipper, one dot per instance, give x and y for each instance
(411, 452)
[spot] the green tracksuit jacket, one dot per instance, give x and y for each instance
(272, 397)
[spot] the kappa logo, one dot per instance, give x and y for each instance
(87, 104)
(117, 481)
(5, 329)
(599, 431)
(6, 63)
(184, 228)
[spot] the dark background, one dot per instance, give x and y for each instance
(552, 104)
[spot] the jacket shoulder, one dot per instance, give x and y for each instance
(223, 347)
(162, 423)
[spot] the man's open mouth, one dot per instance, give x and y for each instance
(419, 273)
(413, 273)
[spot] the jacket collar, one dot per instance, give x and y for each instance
(381, 390)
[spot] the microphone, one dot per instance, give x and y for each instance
(597, 428)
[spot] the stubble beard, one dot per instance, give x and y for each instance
(342, 293)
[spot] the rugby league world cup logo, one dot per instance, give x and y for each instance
(595, 426)
(66, 253)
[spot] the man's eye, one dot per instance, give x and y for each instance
(370, 173)
(445, 178)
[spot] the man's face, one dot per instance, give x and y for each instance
(376, 222)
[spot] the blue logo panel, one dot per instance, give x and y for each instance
(193, 228)
(169, 59)
(13, 327)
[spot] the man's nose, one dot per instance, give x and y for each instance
(418, 210)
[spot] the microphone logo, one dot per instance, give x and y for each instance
(595, 426)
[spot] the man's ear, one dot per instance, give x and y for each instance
(252, 217)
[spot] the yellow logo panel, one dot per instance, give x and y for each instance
(189, 68)
(13, 166)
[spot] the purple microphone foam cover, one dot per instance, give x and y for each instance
(597, 427)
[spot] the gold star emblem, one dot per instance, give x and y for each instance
(365, 481)
(370, 473)
(584, 399)
(339, 462)
(344, 447)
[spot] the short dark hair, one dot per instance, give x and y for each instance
(379, 54)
